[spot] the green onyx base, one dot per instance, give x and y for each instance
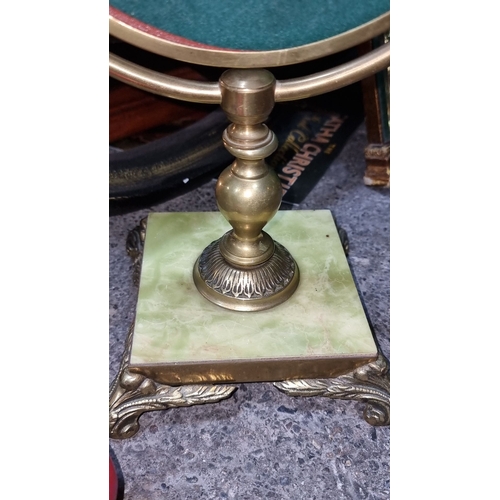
(181, 338)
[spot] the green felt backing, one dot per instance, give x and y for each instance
(254, 24)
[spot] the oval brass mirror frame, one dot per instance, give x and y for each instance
(144, 36)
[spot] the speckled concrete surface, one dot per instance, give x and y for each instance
(261, 443)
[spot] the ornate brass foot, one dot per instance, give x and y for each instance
(369, 383)
(246, 270)
(135, 248)
(132, 394)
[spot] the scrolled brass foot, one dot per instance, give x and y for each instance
(369, 383)
(132, 394)
(135, 247)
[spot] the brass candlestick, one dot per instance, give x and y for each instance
(245, 270)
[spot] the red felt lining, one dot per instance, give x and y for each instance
(164, 35)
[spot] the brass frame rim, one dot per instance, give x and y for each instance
(243, 370)
(230, 58)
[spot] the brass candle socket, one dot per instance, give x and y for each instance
(245, 270)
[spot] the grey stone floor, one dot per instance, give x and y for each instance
(261, 443)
